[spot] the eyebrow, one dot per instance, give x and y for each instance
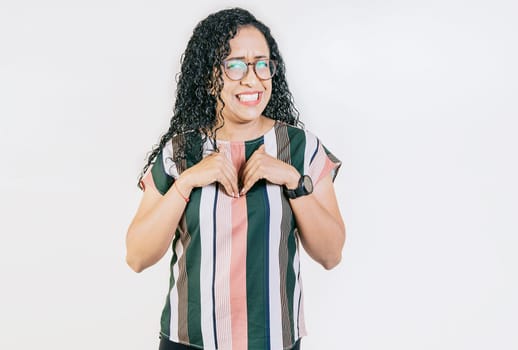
(243, 58)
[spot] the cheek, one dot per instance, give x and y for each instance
(268, 89)
(268, 93)
(226, 95)
(228, 89)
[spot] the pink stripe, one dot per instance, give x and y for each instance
(222, 288)
(238, 260)
(328, 166)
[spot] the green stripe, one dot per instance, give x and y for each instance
(291, 278)
(165, 320)
(255, 265)
(193, 262)
(297, 149)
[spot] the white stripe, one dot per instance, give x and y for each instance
(173, 296)
(206, 268)
(302, 323)
(311, 145)
(275, 205)
(167, 160)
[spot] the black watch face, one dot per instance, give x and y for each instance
(308, 184)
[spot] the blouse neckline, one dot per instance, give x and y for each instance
(251, 141)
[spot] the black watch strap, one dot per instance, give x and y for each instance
(304, 187)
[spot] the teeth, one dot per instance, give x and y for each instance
(248, 97)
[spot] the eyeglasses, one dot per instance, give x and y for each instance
(236, 69)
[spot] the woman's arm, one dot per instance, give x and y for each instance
(153, 227)
(320, 224)
(321, 228)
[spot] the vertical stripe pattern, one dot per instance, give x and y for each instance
(235, 273)
(207, 203)
(238, 259)
(222, 288)
(181, 285)
(173, 296)
(274, 194)
(287, 279)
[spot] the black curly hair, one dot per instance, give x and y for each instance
(200, 81)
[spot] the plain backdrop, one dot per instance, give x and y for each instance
(417, 98)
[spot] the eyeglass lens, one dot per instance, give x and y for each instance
(237, 69)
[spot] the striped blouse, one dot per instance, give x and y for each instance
(235, 281)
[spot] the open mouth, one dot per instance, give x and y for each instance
(249, 97)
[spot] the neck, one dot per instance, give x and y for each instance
(243, 131)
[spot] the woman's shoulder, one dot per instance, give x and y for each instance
(295, 131)
(177, 142)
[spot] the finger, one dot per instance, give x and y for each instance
(252, 175)
(246, 169)
(256, 158)
(224, 177)
(227, 185)
(224, 163)
(228, 177)
(217, 167)
(250, 182)
(245, 174)
(252, 171)
(258, 152)
(231, 174)
(233, 181)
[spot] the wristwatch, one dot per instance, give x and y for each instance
(304, 187)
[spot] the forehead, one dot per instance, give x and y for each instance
(249, 42)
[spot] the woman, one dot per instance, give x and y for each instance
(233, 186)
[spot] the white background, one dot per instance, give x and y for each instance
(417, 98)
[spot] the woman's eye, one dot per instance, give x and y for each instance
(261, 64)
(235, 65)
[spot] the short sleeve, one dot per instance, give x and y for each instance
(321, 161)
(163, 172)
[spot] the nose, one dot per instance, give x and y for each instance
(250, 78)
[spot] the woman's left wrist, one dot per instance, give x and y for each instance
(293, 182)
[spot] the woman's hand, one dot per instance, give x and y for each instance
(263, 166)
(213, 168)
(322, 238)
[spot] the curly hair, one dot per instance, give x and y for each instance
(200, 82)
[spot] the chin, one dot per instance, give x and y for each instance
(249, 115)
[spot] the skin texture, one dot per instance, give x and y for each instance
(151, 231)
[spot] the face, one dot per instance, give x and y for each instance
(246, 99)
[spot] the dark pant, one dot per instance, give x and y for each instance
(166, 344)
